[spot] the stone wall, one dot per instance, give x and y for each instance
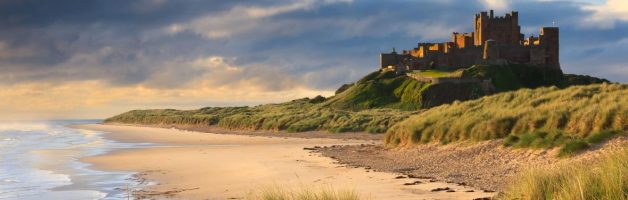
(462, 40)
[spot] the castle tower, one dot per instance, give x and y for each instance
(549, 41)
(388, 59)
(504, 30)
(490, 52)
(480, 28)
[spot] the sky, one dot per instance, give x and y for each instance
(70, 59)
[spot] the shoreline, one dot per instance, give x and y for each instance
(195, 165)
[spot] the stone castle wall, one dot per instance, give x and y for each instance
(496, 39)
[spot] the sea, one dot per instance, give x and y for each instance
(41, 160)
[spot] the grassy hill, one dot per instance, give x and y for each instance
(573, 117)
(295, 116)
(391, 90)
(380, 90)
(372, 104)
(397, 91)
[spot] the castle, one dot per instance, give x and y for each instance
(495, 40)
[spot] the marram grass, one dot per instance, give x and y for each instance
(573, 117)
(605, 179)
(303, 193)
(295, 116)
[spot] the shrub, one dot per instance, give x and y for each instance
(511, 140)
(318, 99)
(601, 136)
(343, 88)
(573, 146)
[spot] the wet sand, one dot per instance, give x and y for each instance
(195, 165)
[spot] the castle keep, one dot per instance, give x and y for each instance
(495, 40)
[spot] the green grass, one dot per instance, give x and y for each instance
(397, 91)
(537, 139)
(573, 79)
(513, 77)
(603, 179)
(573, 146)
(541, 118)
(295, 116)
(438, 73)
(568, 145)
(388, 90)
(380, 90)
(601, 136)
(304, 193)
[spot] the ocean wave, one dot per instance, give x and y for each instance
(40, 160)
(23, 126)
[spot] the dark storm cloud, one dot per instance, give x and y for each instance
(317, 44)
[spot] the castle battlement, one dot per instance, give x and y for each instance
(495, 39)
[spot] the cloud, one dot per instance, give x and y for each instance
(432, 31)
(601, 60)
(94, 99)
(241, 19)
(607, 14)
(263, 47)
(8, 52)
(222, 72)
(147, 6)
(498, 5)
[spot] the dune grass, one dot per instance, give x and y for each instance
(569, 145)
(372, 105)
(296, 116)
(545, 117)
(605, 179)
(303, 193)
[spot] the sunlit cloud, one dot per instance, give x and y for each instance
(240, 19)
(606, 14)
(498, 5)
(94, 99)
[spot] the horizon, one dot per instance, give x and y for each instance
(95, 59)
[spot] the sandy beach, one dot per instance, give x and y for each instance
(195, 165)
(485, 165)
